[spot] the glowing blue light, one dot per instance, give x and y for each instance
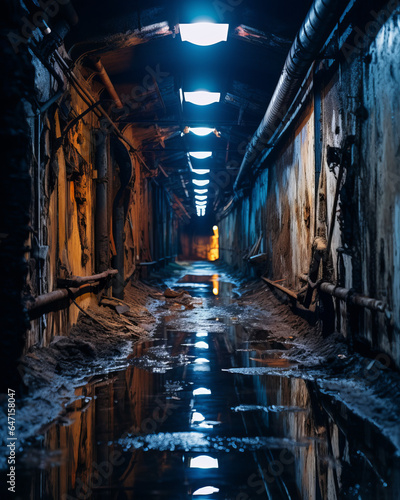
(202, 97)
(201, 345)
(197, 417)
(204, 33)
(204, 462)
(201, 131)
(201, 391)
(201, 155)
(206, 490)
(200, 171)
(200, 183)
(202, 333)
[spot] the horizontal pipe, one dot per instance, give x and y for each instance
(341, 293)
(56, 296)
(291, 294)
(72, 287)
(76, 281)
(309, 41)
(260, 257)
(349, 296)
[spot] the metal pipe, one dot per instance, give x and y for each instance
(178, 201)
(107, 83)
(101, 222)
(349, 296)
(56, 296)
(76, 281)
(318, 24)
(283, 289)
(88, 97)
(118, 260)
(341, 293)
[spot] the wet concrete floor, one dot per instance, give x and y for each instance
(177, 424)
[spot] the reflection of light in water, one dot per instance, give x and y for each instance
(205, 425)
(201, 360)
(201, 345)
(201, 333)
(204, 462)
(206, 490)
(201, 368)
(201, 391)
(197, 417)
(215, 284)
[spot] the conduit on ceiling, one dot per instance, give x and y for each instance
(320, 20)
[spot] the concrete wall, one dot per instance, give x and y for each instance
(291, 199)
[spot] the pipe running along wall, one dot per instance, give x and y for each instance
(318, 24)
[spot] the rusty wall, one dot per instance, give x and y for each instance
(141, 224)
(353, 99)
(279, 209)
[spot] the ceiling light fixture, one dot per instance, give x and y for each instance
(200, 191)
(201, 131)
(201, 203)
(201, 198)
(206, 490)
(200, 171)
(202, 97)
(201, 155)
(204, 33)
(196, 182)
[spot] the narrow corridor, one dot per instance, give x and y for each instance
(200, 249)
(177, 424)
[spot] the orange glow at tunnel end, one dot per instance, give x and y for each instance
(213, 253)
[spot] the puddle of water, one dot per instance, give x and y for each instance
(186, 420)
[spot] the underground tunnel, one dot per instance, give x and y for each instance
(200, 250)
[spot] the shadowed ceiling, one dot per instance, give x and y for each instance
(141, 49)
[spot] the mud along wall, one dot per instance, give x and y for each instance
(353, 101)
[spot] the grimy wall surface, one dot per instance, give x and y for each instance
(78, 199)
(353, 96)
(66, 176)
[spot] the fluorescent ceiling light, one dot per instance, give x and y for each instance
(200, 183)
(204, 33)
(201, 131)
(200, 171)
(200, 191)
(206, 490)
(202, 97)
(201, 360)
(201, 198)
(202, 333)
(204, 462)
(201, 155)
(201, 204)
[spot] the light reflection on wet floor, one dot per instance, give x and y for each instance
(176, 425)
